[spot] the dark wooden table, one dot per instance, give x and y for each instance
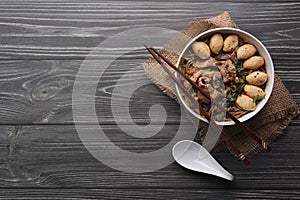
(42, 45)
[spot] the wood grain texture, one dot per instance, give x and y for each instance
(42, 45)
(69, 30)
(54, 156)
(146, 194)
(40, 92)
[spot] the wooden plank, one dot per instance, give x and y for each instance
(54, 156)
(59, 30)
(6, 138)
(40, 92)
(35, 161)
(147, 194)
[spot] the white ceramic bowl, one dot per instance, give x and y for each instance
(248, 38)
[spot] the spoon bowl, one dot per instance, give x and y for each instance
(194, 156)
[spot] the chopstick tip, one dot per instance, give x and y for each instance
(266, 146)
(246, 162)
(243, 158)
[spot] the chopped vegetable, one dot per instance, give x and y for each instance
(257, 98)
(238, 88)
(241, 73)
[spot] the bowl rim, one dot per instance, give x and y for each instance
(270, 72)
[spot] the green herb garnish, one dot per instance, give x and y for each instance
(257, 98)
(237, 64)
(241, 73)
(236, 90)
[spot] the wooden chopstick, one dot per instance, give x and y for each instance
(240, 155)
(206, 94)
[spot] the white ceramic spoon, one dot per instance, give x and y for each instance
(193, 156)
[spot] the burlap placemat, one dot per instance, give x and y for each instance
(268, 124)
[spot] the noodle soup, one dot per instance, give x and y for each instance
(233, 67)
